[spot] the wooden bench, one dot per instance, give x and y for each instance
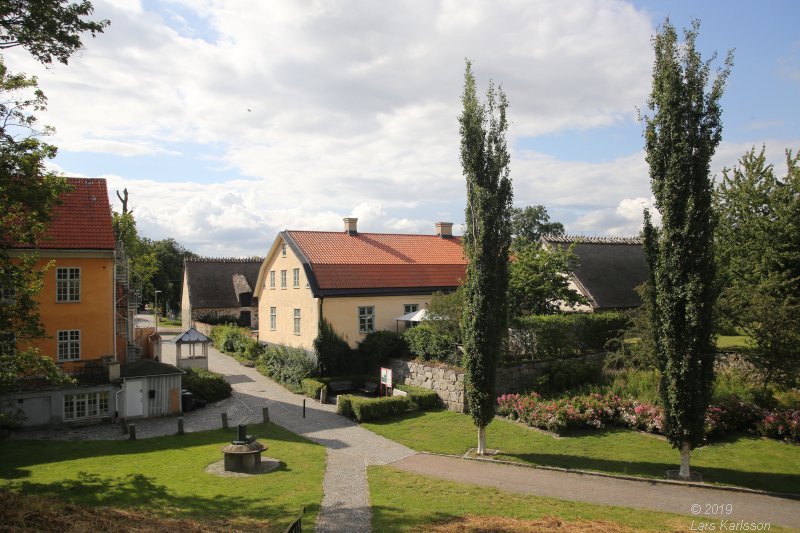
(338, 387)
(370, 387)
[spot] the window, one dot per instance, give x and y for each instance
(283, 250)
(68, 284)
(283, 279)
(69, 345)
(297, 322)
(90, 405)
(366, 319)
(273, 318)
(271, 279)
(410, 308)
(296, 278)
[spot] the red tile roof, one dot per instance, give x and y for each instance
(83, 219)
(339, 260)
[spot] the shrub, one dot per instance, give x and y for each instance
(380, 345)
(781, 424)
(562, 376)
(206, 385)
(427, 342)
(285, 365)
(643, 385)
(423, 399)
(373, 408)
(312, 387)
(344, 405)
(563, 336)
(334, 355)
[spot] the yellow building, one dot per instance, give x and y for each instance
(358, 282)
(77, 303)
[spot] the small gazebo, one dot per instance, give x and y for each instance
(196, 355)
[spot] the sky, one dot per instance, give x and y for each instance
(229, 121)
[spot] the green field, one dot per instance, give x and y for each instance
(740, 460)
(166, 476)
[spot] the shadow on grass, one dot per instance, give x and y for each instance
(140, 492)
(390, 518)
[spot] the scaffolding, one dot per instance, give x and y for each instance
(127, 299)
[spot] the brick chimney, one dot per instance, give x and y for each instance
(351, 225)
(444, 229)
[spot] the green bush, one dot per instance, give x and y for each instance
(285, 365)
(567, 375)
(427, 342)
(641, 385)
(365, 409)
(380, 345)
(423, 399)
(312, 387)
(344, 405)
(334, 355)
(206, 385)
(541, 337)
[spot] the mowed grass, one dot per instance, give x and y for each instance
(166, 476)
(740, 460)
(733, 342)
(403, 501)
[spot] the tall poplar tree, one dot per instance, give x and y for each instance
(487, 238)
(681, 134)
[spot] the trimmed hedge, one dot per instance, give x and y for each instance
(363, 409)
(312, 387)
(563, 336)
(206, 385)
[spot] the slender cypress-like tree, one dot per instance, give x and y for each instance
(681, 136)
(487, 238)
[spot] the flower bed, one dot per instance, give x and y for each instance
(596, 411)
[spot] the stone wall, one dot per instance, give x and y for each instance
(448, 382)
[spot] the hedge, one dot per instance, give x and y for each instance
(312, 387)
(285, 365)
(206, 385)
(563, 336)
(362, 409)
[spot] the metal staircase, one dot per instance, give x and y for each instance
(127, 299)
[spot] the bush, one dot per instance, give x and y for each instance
(781, 424)
(365, 409)
(562, 376)
(312, 387)
(334, 355)
(643, 385)
(218, 320)
(380, 345)
(423, 399)
(206, 385)
(563, 336)
(344, 405)
(428, 343)
(285, 365)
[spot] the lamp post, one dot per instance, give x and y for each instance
(156, 309)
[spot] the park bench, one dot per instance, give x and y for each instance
(370, 388)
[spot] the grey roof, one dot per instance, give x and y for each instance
(189, 336)
(609, 269)
(215, 282)
(147, 367)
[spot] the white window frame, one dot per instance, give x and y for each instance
(297, 321)
(68, 288)
(366, 319)
(69, 344)
(410, 308)
(283, 250)
(273, 318)
(296, 278)
(86, 405)
(283, 279)
(271, 279)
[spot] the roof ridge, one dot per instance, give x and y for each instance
(253, 259)
(369, 233)
(586, 239)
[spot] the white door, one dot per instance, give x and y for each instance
(134, 397)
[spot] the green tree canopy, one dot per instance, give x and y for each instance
(539, 282)
(681, 135)
(487, 239)
(758, 259)
(528, 224)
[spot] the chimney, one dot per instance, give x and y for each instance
(444, 229)
(351, 225)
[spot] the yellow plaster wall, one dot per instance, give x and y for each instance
(93, 315)
(342, 313)
(285, 301)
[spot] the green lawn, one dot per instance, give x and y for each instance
(403, 501)
(741, 460)
(166, 476)
(732, 342)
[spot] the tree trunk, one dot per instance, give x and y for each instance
(684, 471)
(481, 440)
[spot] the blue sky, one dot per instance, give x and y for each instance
(230, 121)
